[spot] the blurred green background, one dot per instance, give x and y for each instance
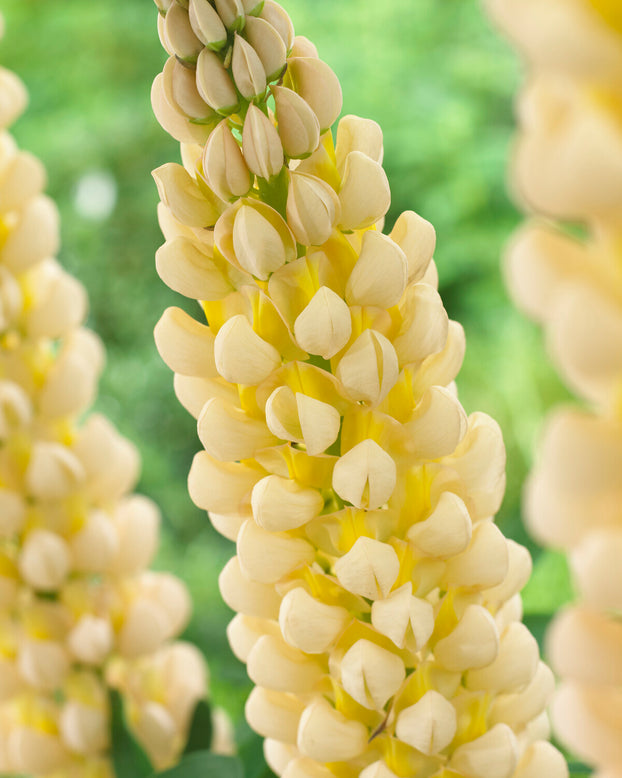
(440, 82)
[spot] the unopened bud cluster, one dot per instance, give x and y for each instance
(378, 604)
(568, 165)
(76, 598)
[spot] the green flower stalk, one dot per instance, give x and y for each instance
(79, 610)
(378, 603)
(568, 165)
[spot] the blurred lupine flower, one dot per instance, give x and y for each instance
(378, 604)
(569, 165)
(79, 611)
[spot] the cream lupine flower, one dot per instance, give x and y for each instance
(378, 604)
(79, 611)
(569, 165)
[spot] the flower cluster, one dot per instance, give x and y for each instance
(378, 605)
(568, 165)
(79, 611)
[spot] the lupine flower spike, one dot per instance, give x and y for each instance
(568, 166)
(378, 605)
(79, 611)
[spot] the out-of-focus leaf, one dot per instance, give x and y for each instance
(128, 758)
(250, 752)
(201, 729)
(204, 764)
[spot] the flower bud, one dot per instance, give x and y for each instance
(518, 709)
(137, 522)
(43, 664)
(542, 758)
(22, 179)
(34, 237)
(437, 425)
(365, 476)
(268, 44)
(274, 714)
(274, 664)
(280, 504)
(370, 568)
(214, 83)
(84, 728)
(221, 487)
(53, 472)
(207, 24)
(302, 419)
(248, 72)
(298, 126)
(326, 735)
(223, 164)
(232, 13)
(90, 641)
(493, 755)
(60, 307)
(180, 35)
(267, 557)
(228, 433)
(357, 134)
(156, 731)
(146, 626)
(485, 561)
(380, 274)
(171, 118)
(180, 88)
(316, 83)
(185, 345)
(186, 269)
(312, 209)
(369, 369)
(325, 326)
(94, 547)
(514, 666)
(249, 597)
(417, 239)
(241, 356)
(308, 624)
(424, 325)
(429, 725)
(262, 242)
(277, 16)
(364, 195)
(370, 674)
(70, 386)
(401, 615)
(446, 531)
(110, 461)
(261, 144)
(14, 97)
(181, 193)
(519, 571)
(473, 643)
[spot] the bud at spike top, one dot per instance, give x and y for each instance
(79, 611)
(569, 165)
(377, 600)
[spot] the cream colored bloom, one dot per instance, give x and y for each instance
(377, 602)
(568, 164)
(76, 600)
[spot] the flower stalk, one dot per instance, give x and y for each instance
(80, 613)
(378, 603)
(568, 168)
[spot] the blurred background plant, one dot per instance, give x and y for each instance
(437, 78)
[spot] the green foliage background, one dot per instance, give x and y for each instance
(440, 82)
